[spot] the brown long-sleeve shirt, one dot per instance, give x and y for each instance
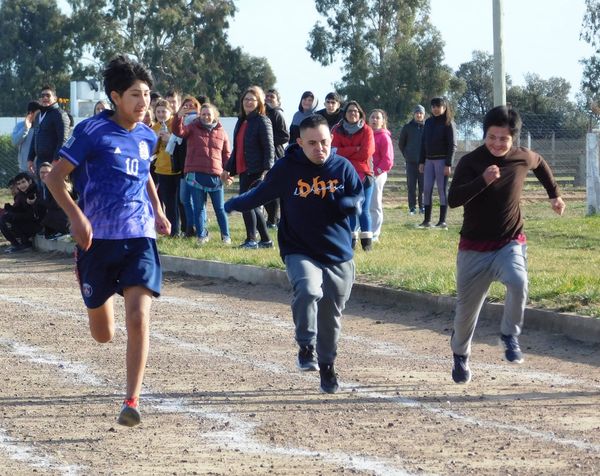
(492, 212)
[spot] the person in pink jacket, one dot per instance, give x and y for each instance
(383, 161)
(208, 150)
(353, 139)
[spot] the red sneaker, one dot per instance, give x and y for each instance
(130, 413)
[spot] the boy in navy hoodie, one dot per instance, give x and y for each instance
(318, 190)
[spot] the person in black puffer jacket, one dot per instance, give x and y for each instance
(252, 156)
(438, 146)
(51, 129)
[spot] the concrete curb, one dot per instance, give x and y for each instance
(586, 329)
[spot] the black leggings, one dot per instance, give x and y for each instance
(253, 219)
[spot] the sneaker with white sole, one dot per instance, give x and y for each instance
(461, 373)
(512, 351)
(130, 412)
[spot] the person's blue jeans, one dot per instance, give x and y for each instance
(364, 220)
(217, 197)
(191, 218)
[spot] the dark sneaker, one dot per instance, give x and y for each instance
(130, 413)
(424, 224)
(265, 244)
(413, 211)
(272, 226)
(249, 245)
(461, 373)
(441, 225)
(329, 382)
(512, 351)
(307, 359)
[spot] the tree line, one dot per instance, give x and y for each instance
(392, 55)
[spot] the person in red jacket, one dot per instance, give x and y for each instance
(208, 150)
(353, 139)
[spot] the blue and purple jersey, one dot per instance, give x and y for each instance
(112, 166)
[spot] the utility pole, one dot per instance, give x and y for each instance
(499, 69)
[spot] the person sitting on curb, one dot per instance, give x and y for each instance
(318, 191)
(20, 222)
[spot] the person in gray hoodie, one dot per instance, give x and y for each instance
(410, 146)
(22, 135)
(307, 107)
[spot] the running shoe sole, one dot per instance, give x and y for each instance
(129, 417)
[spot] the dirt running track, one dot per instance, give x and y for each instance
(222, 395)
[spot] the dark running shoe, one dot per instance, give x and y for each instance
(266, 244)
(441, 225)
(512, 351)
(307, 359)
(329, 382)
(424, 224)
(130, 413)
(249, 245)
(461, 373)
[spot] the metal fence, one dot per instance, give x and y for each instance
(565, 155)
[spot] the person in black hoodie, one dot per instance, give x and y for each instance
(19, 223)
(252, 156)
(437, 151)
(53, 219)
(332, 111)
(50, 131)
(409, 143)
(281, 136)
(318, 191)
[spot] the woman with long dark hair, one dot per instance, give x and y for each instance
(437, 151)
(252, 156)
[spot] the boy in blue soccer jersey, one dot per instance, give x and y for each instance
(318, 191)
(116, 218)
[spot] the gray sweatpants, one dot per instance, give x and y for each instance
(475, 272)
(320, 295)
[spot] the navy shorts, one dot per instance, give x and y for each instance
(110, 266)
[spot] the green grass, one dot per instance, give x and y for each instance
(563, 252)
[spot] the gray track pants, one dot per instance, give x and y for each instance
(320, 295)
(475, 272)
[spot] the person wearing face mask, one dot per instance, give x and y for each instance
(208, 150)
(353, 138)
(252, 157)
(306, 107)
